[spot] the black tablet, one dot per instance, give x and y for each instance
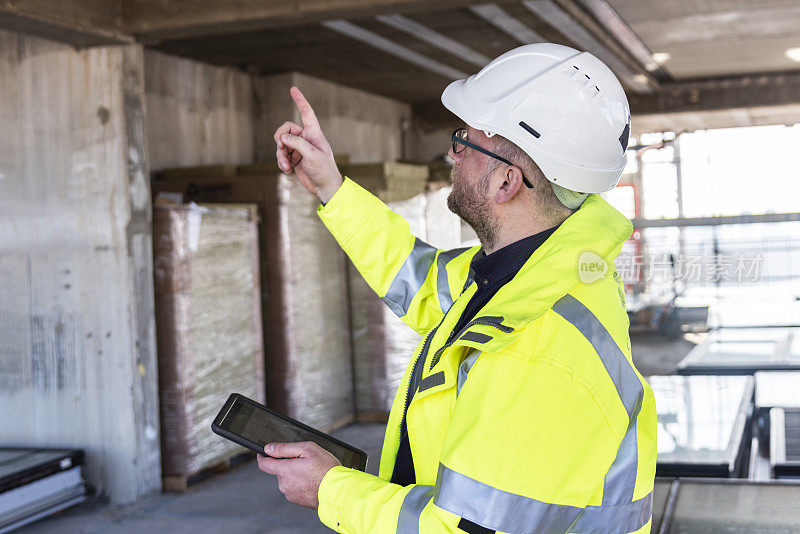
(253, 425)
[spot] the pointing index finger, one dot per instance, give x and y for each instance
(306, 111)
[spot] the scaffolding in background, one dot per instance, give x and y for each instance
(732, 263)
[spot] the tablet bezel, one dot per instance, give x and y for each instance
(217, 428)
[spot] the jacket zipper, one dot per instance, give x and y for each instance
(416, 373)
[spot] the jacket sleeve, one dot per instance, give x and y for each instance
(410, 276)
(526, 450)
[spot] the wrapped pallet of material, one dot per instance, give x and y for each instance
(389, 181)
(315, 277)
(382, 343)
(303, 298)
(208, 320)
(443, 226)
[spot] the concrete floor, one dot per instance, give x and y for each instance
(246, 500)
(242, 501)
(655, 355)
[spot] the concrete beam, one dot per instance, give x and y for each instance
(390, 47)
(613, 24)
(153, 21)
(695, 105)
(78, 23)
(690, 121)
(720, 93)
(583, 30)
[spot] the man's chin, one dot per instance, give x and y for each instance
(452, 204)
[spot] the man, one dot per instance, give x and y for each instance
(521, 410)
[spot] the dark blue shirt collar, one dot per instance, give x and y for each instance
(506, 262)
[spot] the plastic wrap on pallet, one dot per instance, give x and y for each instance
(382, 342)
(208, 324)
(303, 275)
(315, 278)
(443, 226)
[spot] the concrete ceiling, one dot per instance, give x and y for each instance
(716, 37)
(717, 62)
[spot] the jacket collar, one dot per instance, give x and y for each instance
(553, 269)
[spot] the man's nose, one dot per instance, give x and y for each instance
(455, 157)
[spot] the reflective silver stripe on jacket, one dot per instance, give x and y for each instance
(507, 512)
(628, 386)
(442, 282)
(620, 480)
(410, 277)
(465, 367)
(621, 477)
(411, 509)
(617, 519)
(496, 509)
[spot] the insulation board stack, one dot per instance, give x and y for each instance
(208, 324)
(382, 343)
(36, 483)
(303, 289)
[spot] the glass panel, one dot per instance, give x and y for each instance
(751, 334)
(778, 388)
(741, 351)
(746, 348)
(734, 508)
(696, 417)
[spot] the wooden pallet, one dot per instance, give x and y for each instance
(372, 417)
(184, 482)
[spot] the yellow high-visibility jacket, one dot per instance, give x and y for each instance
(530, 419)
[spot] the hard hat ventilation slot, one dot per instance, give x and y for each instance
(530, 130)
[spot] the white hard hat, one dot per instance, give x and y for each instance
(563, 107)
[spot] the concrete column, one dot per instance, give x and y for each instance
(77, 344)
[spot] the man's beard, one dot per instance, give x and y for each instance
(470, 203)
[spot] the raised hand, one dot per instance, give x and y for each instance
(304, 150)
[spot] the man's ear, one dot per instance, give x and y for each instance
(510, 185)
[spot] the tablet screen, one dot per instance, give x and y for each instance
(261, 427)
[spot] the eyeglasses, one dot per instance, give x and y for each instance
(461, 141)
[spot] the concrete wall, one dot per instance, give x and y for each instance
(77, 345)
(426, 144)
(197, 114)
(363, 126)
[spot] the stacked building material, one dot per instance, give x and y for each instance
(208, 324)
(382, 343)
(36, 483)
(303, 290)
